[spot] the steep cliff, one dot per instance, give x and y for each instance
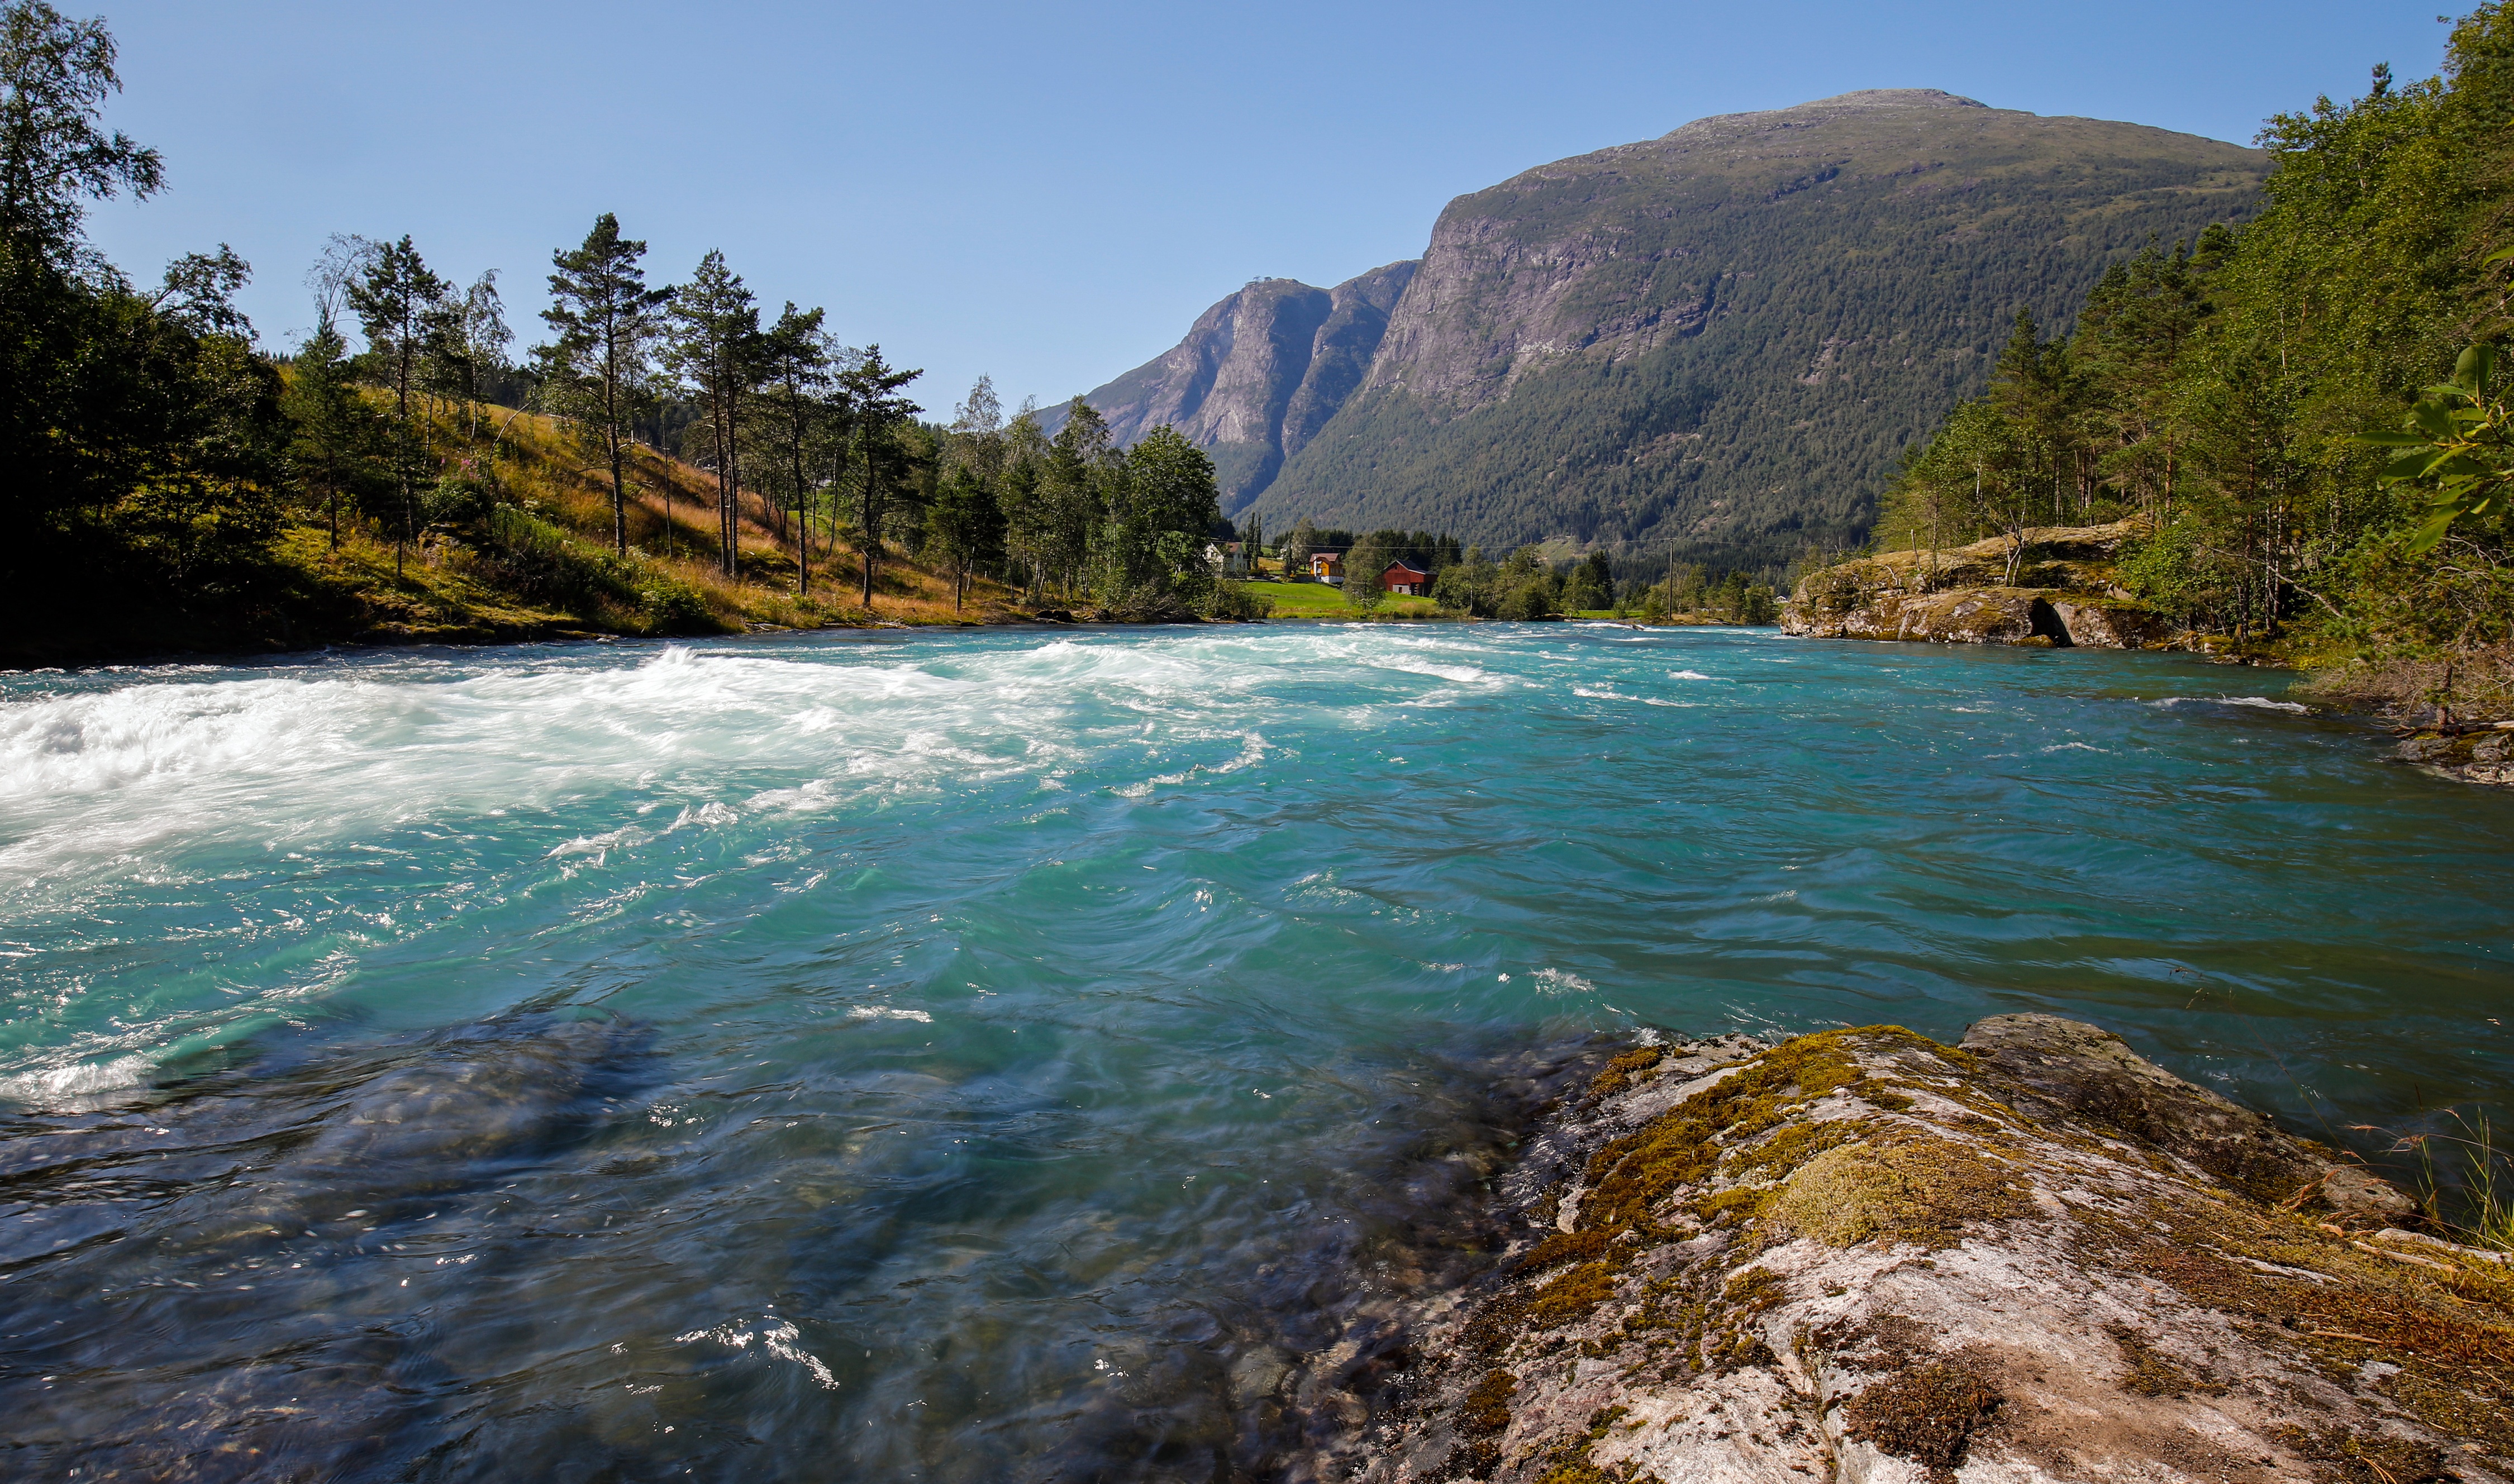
(1258, 374)
(1711, 345)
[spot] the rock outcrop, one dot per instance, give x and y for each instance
(1864, 1256)
(2473, 754)
(2058, 592)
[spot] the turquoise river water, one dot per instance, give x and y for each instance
(1008, 1054)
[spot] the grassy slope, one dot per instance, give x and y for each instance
(448, 590)
(672, 519)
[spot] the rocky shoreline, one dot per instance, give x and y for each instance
(2057, 592)
(1866, 1258)
(2481, 753)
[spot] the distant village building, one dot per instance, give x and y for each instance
(1407, 581)
(1228, 559)
(1327, 566)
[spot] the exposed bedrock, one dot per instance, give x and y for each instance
(2474, 754)
(2059, 592)
(1864, 1256)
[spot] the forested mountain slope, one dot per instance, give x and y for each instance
(1715, 343)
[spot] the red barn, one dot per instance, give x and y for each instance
(1412, 581)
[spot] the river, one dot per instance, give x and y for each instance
(1006, 1054)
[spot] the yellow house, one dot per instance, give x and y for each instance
(1327, 566)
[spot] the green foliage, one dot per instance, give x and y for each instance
(1520, 588)
(1364, 562)
(1240, 602)
(335, 437)
(2234, 396)
(1160, 502)
(54, 76)
(459, 500)
(2458, 441)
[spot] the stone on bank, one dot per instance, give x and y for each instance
(1865, 1258)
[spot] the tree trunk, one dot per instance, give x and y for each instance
(619, 498)
(802, 522)
(865, 539)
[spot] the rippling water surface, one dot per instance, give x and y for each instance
(999, 1056)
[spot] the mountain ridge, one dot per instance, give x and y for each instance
(1711, 344)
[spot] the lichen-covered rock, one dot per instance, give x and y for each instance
(2481, 755)
(1862, 1255)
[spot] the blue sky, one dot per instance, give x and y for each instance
(1050, 193)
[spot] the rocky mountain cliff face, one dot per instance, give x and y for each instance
(1711, 345)
(1259, 373)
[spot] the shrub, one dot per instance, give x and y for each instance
(1234, 602)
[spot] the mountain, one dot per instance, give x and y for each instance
(1258, 375)
(1712, 344)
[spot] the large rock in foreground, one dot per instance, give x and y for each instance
(1862, 1255)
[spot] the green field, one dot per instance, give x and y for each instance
(1317, 600)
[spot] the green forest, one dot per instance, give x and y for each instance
(173, 487)
(2306, 415)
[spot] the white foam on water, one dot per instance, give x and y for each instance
(1556, 981)
(1688, 675)
(2256, 703)
(79, 1086)
(887, 1013)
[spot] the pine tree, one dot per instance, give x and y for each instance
(789, 412)
(877, 410)
(714, 350)
(606, 322)
(399, 304)
(335, 433)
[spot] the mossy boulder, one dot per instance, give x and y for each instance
(1864, 1256)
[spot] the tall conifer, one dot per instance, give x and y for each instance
(606, 322)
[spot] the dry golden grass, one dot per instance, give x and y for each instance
(671, 523)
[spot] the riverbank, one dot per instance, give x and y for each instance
(1863, 1256)
(2057, 587)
